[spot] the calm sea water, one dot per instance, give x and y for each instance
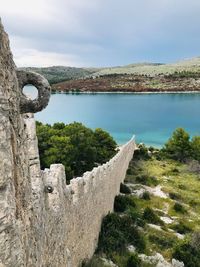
(151, 117)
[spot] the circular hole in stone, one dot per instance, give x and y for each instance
(30, 91)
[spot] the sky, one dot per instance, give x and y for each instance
(97, 33)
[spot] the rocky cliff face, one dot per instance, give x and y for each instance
(15, 184)
(41, 227)
(14, 171)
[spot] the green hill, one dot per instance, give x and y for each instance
(57, 74)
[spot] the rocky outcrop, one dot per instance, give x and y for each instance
(43, 222)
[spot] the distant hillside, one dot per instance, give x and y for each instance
(176, 82)
(143, 77)
(152, 69)
(57, 74)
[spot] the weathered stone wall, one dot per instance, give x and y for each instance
(37, 228)
(68, 221)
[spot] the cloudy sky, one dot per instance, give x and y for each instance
(101, 32)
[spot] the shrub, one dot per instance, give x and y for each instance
(151, 217)
(94, 262)
(134, 261)
(182, 228)
(175, 170)
(178, 207)
(195, 241)
(136, 217)
(141, 153)
(124, 189)
(195, 146)
(182, 186)
(146, 180)
(164, 242)
(122, 203)
(111, 237)
(174, 196)
(178, 146)
(117, 233)
(193, 203)
(146, 195)
(187, 254)
(129, 171)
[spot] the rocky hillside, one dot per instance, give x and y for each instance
(157, 216)
(182, 76)
(180, 82)
(144, 77)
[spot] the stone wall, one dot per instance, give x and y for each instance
(38, 228)
(68, 220)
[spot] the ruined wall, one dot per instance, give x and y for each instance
(37, 228)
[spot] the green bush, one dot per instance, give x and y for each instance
(187, 254)
(146, 195)
(141, 153)
(182, 187)
(178, 207)
(111, 237)
(193, 203)
(151, 217)
(195, 145)
(136, 216)
(175, 170)
(117, 233)
(129, 171)
(124, 189)
(178, 146)
(122, 203)
(182, 228)
(174, 196)
(146, 180)
(134, 261)
(162, 241)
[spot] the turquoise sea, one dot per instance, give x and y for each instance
(150, 117)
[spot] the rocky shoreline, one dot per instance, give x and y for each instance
(131, 84)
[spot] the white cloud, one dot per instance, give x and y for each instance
(83, 31)
(35, 58)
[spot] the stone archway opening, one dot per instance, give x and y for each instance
(30, 91)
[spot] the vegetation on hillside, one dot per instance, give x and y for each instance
(158, 209)
(77, 147)
(58, 74)
(132, 83)
(145, 77)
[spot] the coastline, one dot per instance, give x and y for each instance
(125, 92)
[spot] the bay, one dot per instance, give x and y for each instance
(150, 117)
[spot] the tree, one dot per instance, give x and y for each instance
(105, 145)
(195, 146)
(178, 146)
(77, 147)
